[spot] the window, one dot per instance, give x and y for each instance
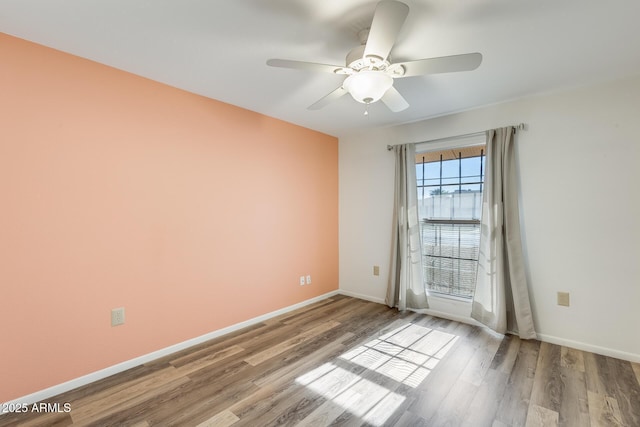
(450, 206)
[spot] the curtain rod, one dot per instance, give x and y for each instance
(521, 126)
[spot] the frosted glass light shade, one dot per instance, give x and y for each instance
(368, 86)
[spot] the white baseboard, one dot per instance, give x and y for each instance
(604, 351)
(631, 357)
(121, 367)
(361, 296)
(103, 373)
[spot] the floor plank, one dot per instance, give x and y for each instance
(515, 401)
(627, 391)
(636, 370)
(571, 358)
(548, 385)
(290, 343)
(221, 419)
(349, 362)
(574, 407)
(603, 410)
(541, 417)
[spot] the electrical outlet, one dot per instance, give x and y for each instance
(117, 316)
(308, 279)
(563, 299)
(301, 280)
(376, 270)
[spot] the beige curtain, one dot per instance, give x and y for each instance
(406, 287)
(501, 299)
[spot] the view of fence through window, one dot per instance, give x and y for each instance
(450, 206)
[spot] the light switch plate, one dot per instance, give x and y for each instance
(563, 299)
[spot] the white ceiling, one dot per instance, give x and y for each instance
(218, 48)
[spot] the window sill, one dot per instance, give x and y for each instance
(452, 308)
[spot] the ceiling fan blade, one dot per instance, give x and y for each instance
(327, 99)
(387, 22)
(302, 65)
(442, 64)
(394, 101)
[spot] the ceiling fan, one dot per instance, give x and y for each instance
(369, 70)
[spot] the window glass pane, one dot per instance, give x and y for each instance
(470, 187)
(451, 180)
(450, 206)
(451, 258)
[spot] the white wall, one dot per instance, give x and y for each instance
(580, 145)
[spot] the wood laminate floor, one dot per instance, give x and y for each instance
(348, 362)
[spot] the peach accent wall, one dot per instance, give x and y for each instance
(119, 191)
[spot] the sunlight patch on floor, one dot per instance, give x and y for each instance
(360, 396)
(404, 356)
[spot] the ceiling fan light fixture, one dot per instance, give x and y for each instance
(368, 86)
(369, 69)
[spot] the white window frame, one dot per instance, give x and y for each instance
(449, 306)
